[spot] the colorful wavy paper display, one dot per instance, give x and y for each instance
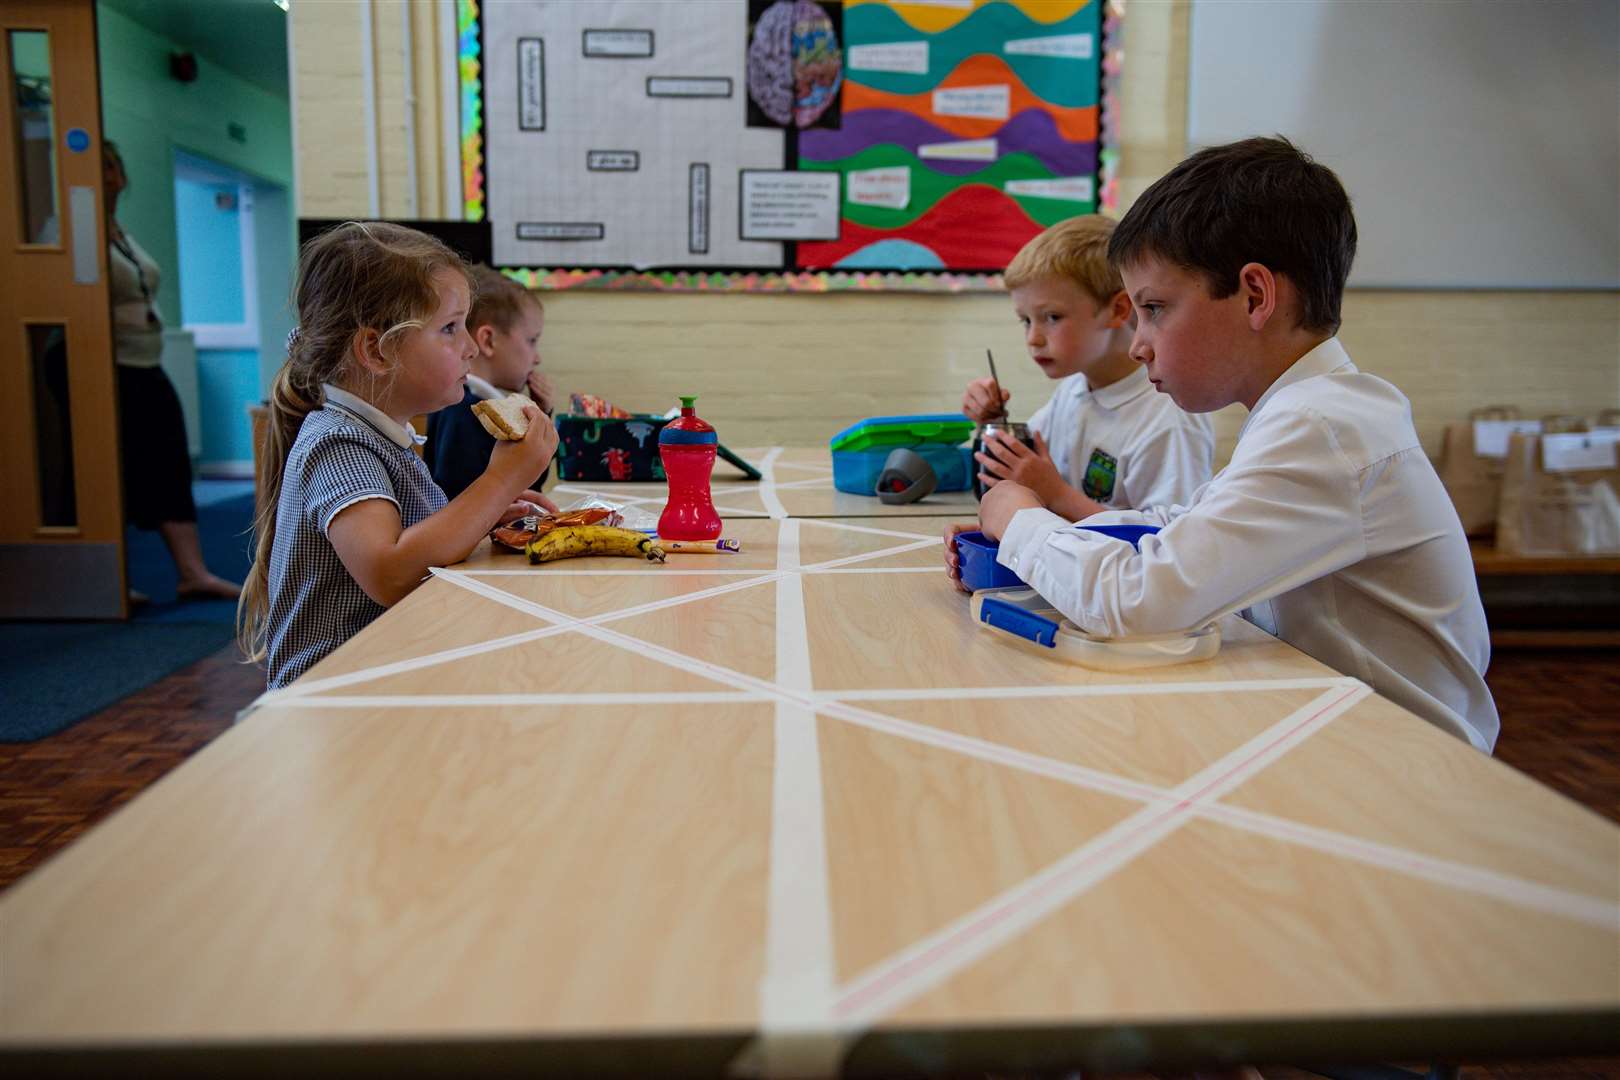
(991, 111)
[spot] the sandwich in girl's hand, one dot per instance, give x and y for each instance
(503, 417)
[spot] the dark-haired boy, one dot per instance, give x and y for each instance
(1329, 528)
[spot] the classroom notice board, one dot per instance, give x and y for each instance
(787, 135)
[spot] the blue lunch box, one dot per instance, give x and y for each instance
(976, 554)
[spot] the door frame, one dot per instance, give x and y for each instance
(59, 571)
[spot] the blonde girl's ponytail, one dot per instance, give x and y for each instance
(289, 404)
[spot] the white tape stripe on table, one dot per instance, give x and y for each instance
(767, 484)
(824, 699)
(1576, 907)
(507, 701)
(1050, 690)
(845, 526)
(797, 988)
(923, 965)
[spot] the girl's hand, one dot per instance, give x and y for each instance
(1005, 458)
(1000, 503)
(524, 459)
(541, 390)
(530, 502)
(980, 403)
(953, 562)
(546, 505)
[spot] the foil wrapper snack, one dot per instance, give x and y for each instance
(520, 532)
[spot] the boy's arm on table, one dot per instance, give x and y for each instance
(1282, 515)
(388, 561)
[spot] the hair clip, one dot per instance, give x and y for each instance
(293, 337)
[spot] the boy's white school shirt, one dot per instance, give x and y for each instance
(1329, 529)
(1156, 454)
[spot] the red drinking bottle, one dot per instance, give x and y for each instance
(687, 446)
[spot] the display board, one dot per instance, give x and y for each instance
(781, 136)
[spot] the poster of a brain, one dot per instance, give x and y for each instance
(914, 135)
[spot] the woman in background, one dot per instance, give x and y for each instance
(152, 429)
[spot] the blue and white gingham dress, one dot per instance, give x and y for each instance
(339, 458)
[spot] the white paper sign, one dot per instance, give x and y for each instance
(1073, 188)
(1573, 450)
(906, 57)
(980, 102)
(695, 86)
(789, 205)
(1491, 436)
(960, 150)
(561, 230)
(1068, 46)
(531, 84)
(697, 208)
(618, 43)
(889, 186)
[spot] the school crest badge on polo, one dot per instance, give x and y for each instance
(1101, 471)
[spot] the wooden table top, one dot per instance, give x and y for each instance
(788, 812)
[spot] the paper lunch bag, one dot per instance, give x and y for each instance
(1473, 482)
(1556, 513)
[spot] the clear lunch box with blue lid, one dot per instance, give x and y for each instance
(1020, 615)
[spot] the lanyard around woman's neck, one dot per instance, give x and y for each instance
(127, 250)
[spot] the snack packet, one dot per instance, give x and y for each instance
(515, 534)
(626, 515)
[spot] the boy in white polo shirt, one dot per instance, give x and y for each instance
(1329, 528)
(1104, 436)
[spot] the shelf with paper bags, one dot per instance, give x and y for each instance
(1551, 575)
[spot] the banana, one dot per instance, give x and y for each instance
(574, 540)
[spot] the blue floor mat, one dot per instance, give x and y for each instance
(55, 673)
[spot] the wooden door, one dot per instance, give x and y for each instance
(61, 505)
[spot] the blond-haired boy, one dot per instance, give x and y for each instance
(1104, 440)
